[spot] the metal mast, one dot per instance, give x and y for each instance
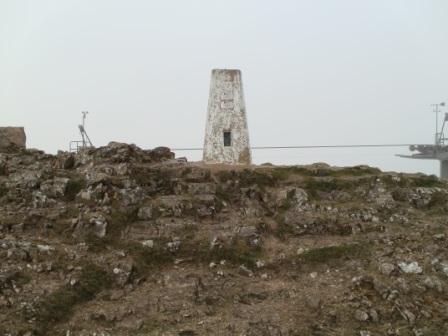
(438, 151)
(85, 142)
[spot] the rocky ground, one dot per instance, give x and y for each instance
(124, 241)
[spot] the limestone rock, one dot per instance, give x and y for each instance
(387, 268)
(412, 267)
(361, 315)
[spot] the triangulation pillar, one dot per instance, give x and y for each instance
(444, 169)
(226, 133)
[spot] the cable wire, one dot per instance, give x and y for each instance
(310, 147)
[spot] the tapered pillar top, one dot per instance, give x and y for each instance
(226, 135)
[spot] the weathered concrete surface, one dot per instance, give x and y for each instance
(12, 139)
(226, 113)
(444, 169)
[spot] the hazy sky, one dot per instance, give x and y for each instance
(314, 71)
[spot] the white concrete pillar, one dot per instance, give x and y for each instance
(226, 133)
(444, 169)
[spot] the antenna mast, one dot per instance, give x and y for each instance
(85, 142)
(438, 151)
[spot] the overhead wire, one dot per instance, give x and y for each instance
(308, 147)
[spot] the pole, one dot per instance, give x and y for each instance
(84, 115)
(436, 136)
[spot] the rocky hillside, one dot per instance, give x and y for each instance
(124, 241)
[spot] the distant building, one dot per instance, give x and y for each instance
(226, 134)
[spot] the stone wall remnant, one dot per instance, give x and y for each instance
(12, 139)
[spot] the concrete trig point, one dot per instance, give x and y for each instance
(438, 151)
(226, 133)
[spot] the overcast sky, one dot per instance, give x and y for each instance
(315, 72)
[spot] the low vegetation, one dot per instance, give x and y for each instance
(329, 253)
(283, 173)
(146, 259)
(3, 190)
(74, 186)
(59, 305)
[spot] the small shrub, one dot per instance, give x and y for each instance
(248, 177)
(73, 187)
(263, 227)
(282, 228)
(399, 195)
(59, 305)
(186, 171)
(3, 190)
(147, 259)
(225, 175)
(3, 169)
(313, 186)
(435, 331)
(20, 278)
(236, 252)
(222, 194)
(253, 177)
(187, 231)
(426, 181)
(438, 200)
(328, 253)
(283, 173)
(356, 171)
(406, 181)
